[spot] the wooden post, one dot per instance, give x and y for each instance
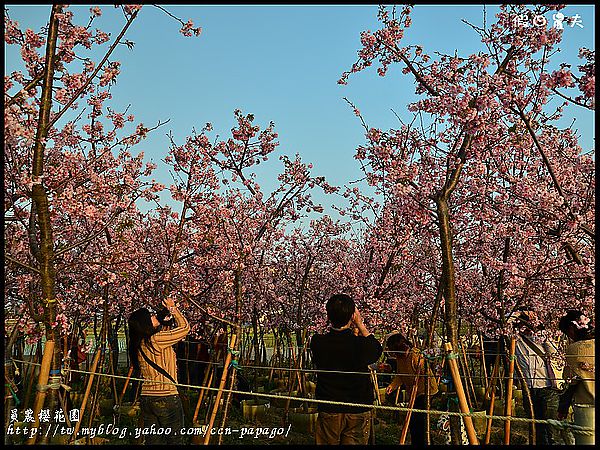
(40, 396)
(509, 389)
(462, 401)
(87, 392)
(220, 391)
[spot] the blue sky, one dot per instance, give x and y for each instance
(281, 63)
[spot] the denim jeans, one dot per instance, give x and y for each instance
(162, 412)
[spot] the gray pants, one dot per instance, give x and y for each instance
(545, 406)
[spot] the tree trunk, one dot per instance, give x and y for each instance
(255, 335)
(448, 282)
(45, 256)
(448, 275)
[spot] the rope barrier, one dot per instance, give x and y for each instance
(295, 369)
(473, 354)
(562, 424)
(299, 369)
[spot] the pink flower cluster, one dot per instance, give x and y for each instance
(188, 28)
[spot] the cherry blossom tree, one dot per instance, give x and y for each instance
(511, 190)
(70, 174)
(484, 148)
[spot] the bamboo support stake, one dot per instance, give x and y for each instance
(294, 376)
(376, 384)
(227, 403)
(273, 358)
(411, 403)
(378, 401)
(469, 382)
(460, 364)
(429, 373)
(88, 388)
(230, 395)
(509, 389)
(220, 391)
(126, 384)
(208, 377)
(488, 428)
(208, 374)
(492, 394)
(112, 372)
(94, 397)
(63, 404)
(527, 395)
(483, 368)
(495, 371)
(462, 402)
(40, 396)
(30, 373)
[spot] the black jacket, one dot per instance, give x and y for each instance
(342, 351)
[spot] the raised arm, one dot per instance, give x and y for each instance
(166, 338)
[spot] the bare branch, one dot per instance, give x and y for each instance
(23, 265)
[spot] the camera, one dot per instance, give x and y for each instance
(165, 318)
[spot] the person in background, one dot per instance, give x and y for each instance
(535, 354)
(580, 368)
(341, 350)
(151, 353)
(410, 366)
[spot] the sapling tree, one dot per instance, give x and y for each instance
(70, 173)
(485, 151)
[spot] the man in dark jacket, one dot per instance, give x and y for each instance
(340, 350)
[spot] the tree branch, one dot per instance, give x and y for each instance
(87, 83)
(19, 263)
(546, 161)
